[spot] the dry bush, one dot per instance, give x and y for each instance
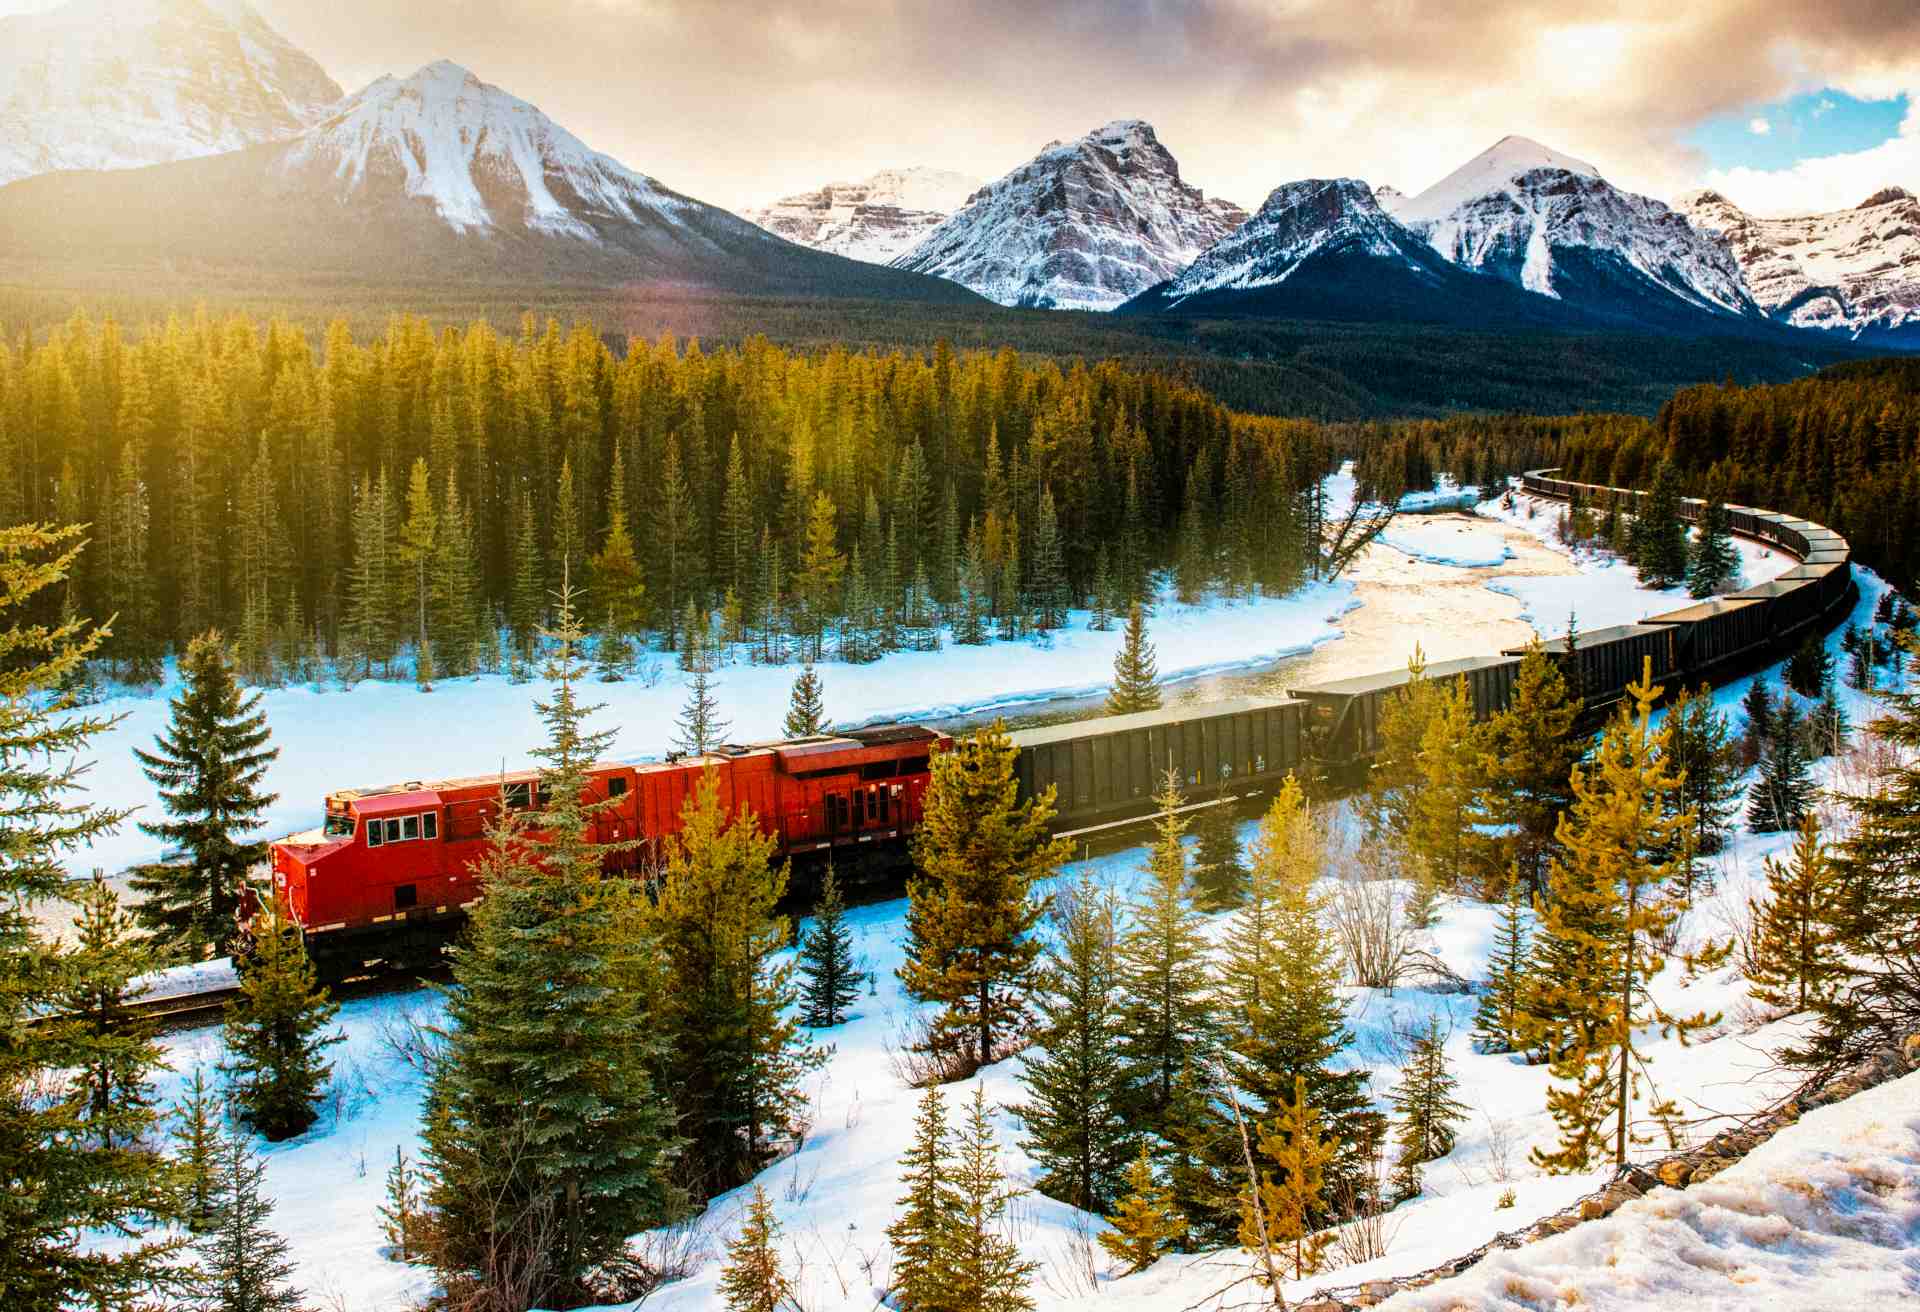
(920, 1058)
(1367, 1233)
(410, 1039)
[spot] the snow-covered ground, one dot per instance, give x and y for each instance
(1606, 592)
(835, 1196)
(1446, 542)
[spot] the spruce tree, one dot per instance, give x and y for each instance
(115, 1049)
(197, 1139)
(1219, 871)
(806, 709)
(1395, 778)
(401, 1221)
(1610, 902)
(921, 1234)
(1301, 1146)
(1145, 1223)
(1050, 592)
(208, 768)
(751, 1279)
(56, 1181)
(1757, 709)
(1528, 754)
(1497, 1021)
(417, 535)
(1166, 1018)
(1442, 834)
(526, 599)
(1136, 678)
(1828, 728)
(243, 1261)
(1783, 793)
(1809, 668)
(1705, 752)
(983, 1264)
(699, 728)
(829, 980)
(274, 1030)
(1713, 565)
(971, 908)
(1075, 1112)
(1877, 1002)
(735, 1057)
(1659, 534)
(1428, 1110)
(1796, 956)
(547, 1141)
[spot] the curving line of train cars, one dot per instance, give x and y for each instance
(390, 874)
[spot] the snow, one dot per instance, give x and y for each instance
(456, 140)
(1825, 1214)
(382, 732)
(1605, 592)
(876, 220)
(1491, 170)
(1446, 542)
(1085, 225)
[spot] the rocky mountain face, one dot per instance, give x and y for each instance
(1551, 224)
(1855, 272)
(876, 220)
(1085, 225)
(115, 84)
(434, 175)
(1325, 248)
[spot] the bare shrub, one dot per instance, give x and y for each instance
(410, 1039)
(1070, 1270)
(920, 1057)
(1367, 1233)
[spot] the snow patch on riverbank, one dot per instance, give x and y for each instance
(1447, 542)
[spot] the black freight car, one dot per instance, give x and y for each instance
(1344, 714)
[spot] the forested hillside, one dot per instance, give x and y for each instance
(417, 492)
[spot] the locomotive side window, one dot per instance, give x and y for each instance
(915, 765)
(410, 828)
(430, 825)
(520, 795)
(393, 831)
(339, 826)
(376, 832)
(616, 787)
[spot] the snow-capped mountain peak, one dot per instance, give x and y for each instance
(482, 157)
(112, 84)
(1298, 221)
(1550, 223)
(1853, 271)
(876, 220)
(1086, 224)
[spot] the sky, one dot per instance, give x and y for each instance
(1784, 105)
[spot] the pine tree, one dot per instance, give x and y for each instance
(735, 1057)
(1166, 1012)
(700, 728)
(806, 710)
(547, 1141)
(273, 1030)
(619, 589)
(526, 602)
(1610, 906)
(458, 622)
(1281, 980)
(971, 909)
(1146, 1225)
(1395, 779)
(1659, 534)
(115, 1054)
(822, 566)
(921, 1235)
(984, 1265)
(197, 1138)
(1529, 750)
(1428, 1110)
(1219, 872)
(829, 980)
(1442, 835)
(1704, 751)
(970, 608)
(1784, 791)
(1075, 1085)
(568, 542)
(400, 1216)
(417, 536)
(208, 767)
(1828, 728)
(1713, 565)
(1301, 1146)
(1136, 685)
(1796, 954)
(752, 1280)
(1877, 1003)
(1757, 707)
(1050, 592)
(56, 1181)
(129, 577)
(1498, 1019)
(736, 521)
(244, 1263)
(1809, 668)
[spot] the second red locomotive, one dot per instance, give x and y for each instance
(390, 874)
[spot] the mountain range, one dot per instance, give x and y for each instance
(188, 135)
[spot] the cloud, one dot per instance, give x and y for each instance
(1759, 127)
(737, 101)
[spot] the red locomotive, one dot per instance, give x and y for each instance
(389, 876)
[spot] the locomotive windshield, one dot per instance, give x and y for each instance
(339, 826)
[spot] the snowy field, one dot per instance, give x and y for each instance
(1446, 542)
(1606, 592)
(836, 1194)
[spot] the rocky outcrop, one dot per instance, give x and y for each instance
(877, 220)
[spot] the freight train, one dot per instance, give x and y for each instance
(390, 874)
